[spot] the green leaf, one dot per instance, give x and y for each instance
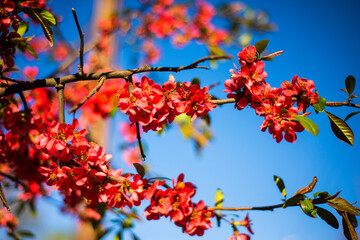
(350, 84)
(321, 194)
(219, 198)
(308, 207)
(328, 217)
(320, 105)
(25, 233)
(348, 228)
(195, 81)
(140, 169)
(341, 204)
(261, 46)
(267, 59)
(280, 184)
(206, 118)
(309, 125)
(31, 50)
(118, 236)
(23, 28)
(48, 16)
(351, 115)
(294, 200)
(341, 130)
(46, 22)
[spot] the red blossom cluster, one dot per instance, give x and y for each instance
(8, 220)
(9, 20)
(176, 203)
(248, 86)
(175, 21)
(153, 105)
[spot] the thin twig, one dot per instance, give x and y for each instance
(272, 207)
(92, 93)
(143, 156)
(23, 99)
(14, 179)
(53, 82)
(339, 104)
(81, 34)
(11, 80)
(223, 101)
(61, 102)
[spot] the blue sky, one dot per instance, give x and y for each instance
(321, 42)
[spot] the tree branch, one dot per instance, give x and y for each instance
(61, 102)
(53, 82)
(81, 34)
(272, 207)
(143, 156)
(92, 93)
(339, 104)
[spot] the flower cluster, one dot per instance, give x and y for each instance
(176, 203)
(81, 169)
(8, 220)
(9, 20)
(248, 86)
(153, 105)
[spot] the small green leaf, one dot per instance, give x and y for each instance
(31, 50)
(308, 207)
(267, 59)
(341, 130)
(206, 118)
(350, 84)
(261, 46)
(219, 198)
(195, 81)
(309, 125)
(118, 236)
(140, 169)
(36, 15)
(351, 115)
(320, 105)
(280, 184)
(25, 233)
(321, 194)
(328, 217)
(23, 28)
(341, 204)
(48, 16)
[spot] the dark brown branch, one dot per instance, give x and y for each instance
(272, 207)
(11, 80)
(81, 34)
(143, 156)
(92, 93)
(61, 102)
(24, 101)
(53, 82)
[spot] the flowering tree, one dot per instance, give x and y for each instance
(41, 152)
